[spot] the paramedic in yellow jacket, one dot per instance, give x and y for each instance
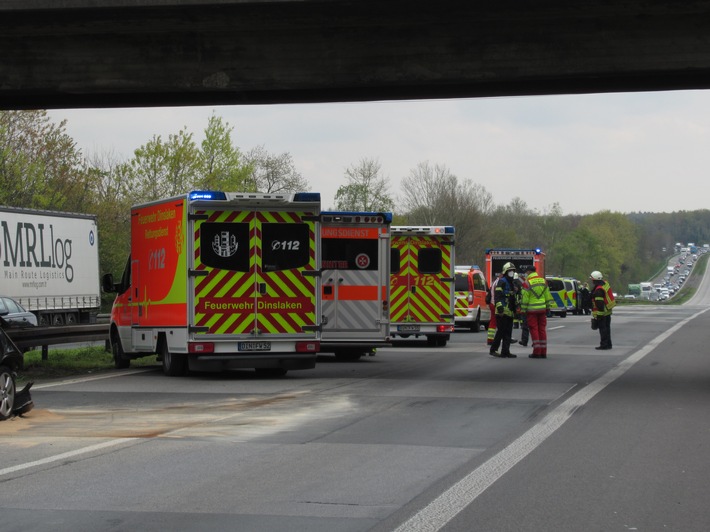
(602, 303)
(536, 303)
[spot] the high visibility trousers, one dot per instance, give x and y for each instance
(492, 325)
(537, 323)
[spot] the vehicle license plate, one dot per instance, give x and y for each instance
(255, 346)
(408, 328)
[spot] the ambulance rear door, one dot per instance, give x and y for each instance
(255, 273)
(355, 277)
(422, 290)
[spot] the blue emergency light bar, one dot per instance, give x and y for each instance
(206, 195)
(307, 196)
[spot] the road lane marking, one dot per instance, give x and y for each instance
(92, 378)
(64, 456)
(446, 506)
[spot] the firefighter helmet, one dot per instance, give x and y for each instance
(597, 275)
(508, 266)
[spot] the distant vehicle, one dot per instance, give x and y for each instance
(496, 258)
(648, 293)
(14, 315)
(574, 299)
(422, 283)
(471, 309)
(559, 295)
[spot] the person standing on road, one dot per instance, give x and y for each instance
(586, 300)
(536, 303)
(506, 305)
(524, 330)
(490, 300)
(603, 303)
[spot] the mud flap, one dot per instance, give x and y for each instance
(23, 401)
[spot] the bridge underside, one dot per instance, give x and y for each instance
(171, 52)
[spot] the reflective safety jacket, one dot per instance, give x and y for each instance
(506, 297)
(537, 296)
(603, 299)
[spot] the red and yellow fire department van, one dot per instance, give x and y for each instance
(355, 290)
(422, 283)
(470, 294)
(219, 280)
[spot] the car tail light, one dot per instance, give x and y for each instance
(445, 328)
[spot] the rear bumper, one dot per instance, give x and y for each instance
(222, 361)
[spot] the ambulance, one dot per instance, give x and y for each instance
(221, 280)
(355, 283)
(422, 283)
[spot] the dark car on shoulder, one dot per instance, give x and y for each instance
(12, 402)
(15, 315)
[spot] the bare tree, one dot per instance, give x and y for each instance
(366, 190)
(273, 173)
(432, 195)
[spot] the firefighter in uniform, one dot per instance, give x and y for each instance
(490, 299)
(536, 303)
(507, 303)
(602, 304)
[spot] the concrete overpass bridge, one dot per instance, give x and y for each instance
(115, 53)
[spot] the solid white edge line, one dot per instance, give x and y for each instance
(64, 456)
(446, 506)
(92, 378)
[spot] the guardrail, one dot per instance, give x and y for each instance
(46, 336)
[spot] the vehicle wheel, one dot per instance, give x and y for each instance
(119, 358)
(476, 325)
(174, 365)
(71, 319)
(7, 393)
(563, 315)
(43, 320)
(57, 320)
(271, 372)
(431, 341)
(441, 341)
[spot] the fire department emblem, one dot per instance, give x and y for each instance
(225, 244)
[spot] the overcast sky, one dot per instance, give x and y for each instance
(631, 152)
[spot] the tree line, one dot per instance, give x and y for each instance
(42, 167)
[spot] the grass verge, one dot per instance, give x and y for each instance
(63, 363)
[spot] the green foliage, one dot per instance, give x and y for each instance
(221, 162)
(366, 190)
(40, 166)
